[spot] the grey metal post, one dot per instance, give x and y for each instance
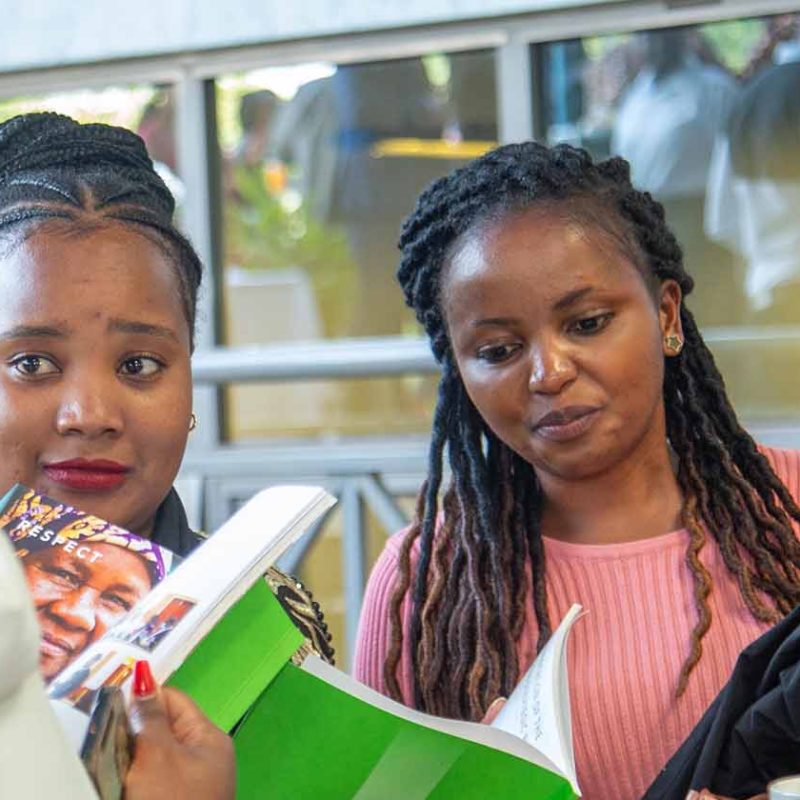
(514, 94)
(196, 151)
(353, 562)
(291, 560)
(382, 504)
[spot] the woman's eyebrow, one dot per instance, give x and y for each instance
(64, 560)
(493, 322)
(33, 332)
(145, 328)
(572, 297)
(121, 588)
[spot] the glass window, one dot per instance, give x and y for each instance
(709, 118)
(147, 110)
(320, 164)
(363, 406)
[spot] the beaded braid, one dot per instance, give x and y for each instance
(55, 169)
(469, 590)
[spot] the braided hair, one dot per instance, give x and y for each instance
(53, 169)
(470, 587)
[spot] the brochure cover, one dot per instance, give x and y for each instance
(84, 574)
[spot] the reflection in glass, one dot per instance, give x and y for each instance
(709, 119)
(320, 165)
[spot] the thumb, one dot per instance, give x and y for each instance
(493, 710)
(148, 717)
(187, 722)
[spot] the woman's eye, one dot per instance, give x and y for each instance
(590, 325)
(64, 577)
(497, 353)
(33, 366)
(141, 367)
(118, 603)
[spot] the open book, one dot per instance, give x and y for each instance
(340, 739)
(211, 627)
(106, 597)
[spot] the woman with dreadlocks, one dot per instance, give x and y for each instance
(594, 458)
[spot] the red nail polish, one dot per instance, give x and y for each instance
(143, 682)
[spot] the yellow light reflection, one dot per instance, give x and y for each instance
(430, 148)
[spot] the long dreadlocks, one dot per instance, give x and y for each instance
(470, 587)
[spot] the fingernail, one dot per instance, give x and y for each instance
(497, 701)
(143, 682)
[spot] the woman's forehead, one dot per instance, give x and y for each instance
(109, 272)
(535, 244)
(96, 561)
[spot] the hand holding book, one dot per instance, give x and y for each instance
(178, 752)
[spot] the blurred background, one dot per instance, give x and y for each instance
(296, 140)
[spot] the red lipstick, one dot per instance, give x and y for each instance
(87, 475)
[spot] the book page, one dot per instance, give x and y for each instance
(474, 731)
(538, 710)
(169, 622)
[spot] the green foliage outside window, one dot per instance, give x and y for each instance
(265, 231)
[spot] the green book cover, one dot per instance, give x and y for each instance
(306, 739)
(229, 669)
(316, 732)
(310, 732)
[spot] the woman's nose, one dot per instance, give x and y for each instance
(89, 409)
(552, 369)
(76, 609)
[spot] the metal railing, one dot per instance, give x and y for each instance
(341, 358)
(392, 355)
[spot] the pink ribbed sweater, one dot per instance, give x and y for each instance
(624, 655)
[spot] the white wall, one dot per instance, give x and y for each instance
(41, 33)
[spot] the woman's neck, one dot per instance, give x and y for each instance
(143, 527)
(637, 499)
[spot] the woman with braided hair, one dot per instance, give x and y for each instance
(94, 275)
(97, 325)
(96, 332)
(594, 458)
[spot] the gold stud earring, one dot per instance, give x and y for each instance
(193, 421)
(673, 343)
